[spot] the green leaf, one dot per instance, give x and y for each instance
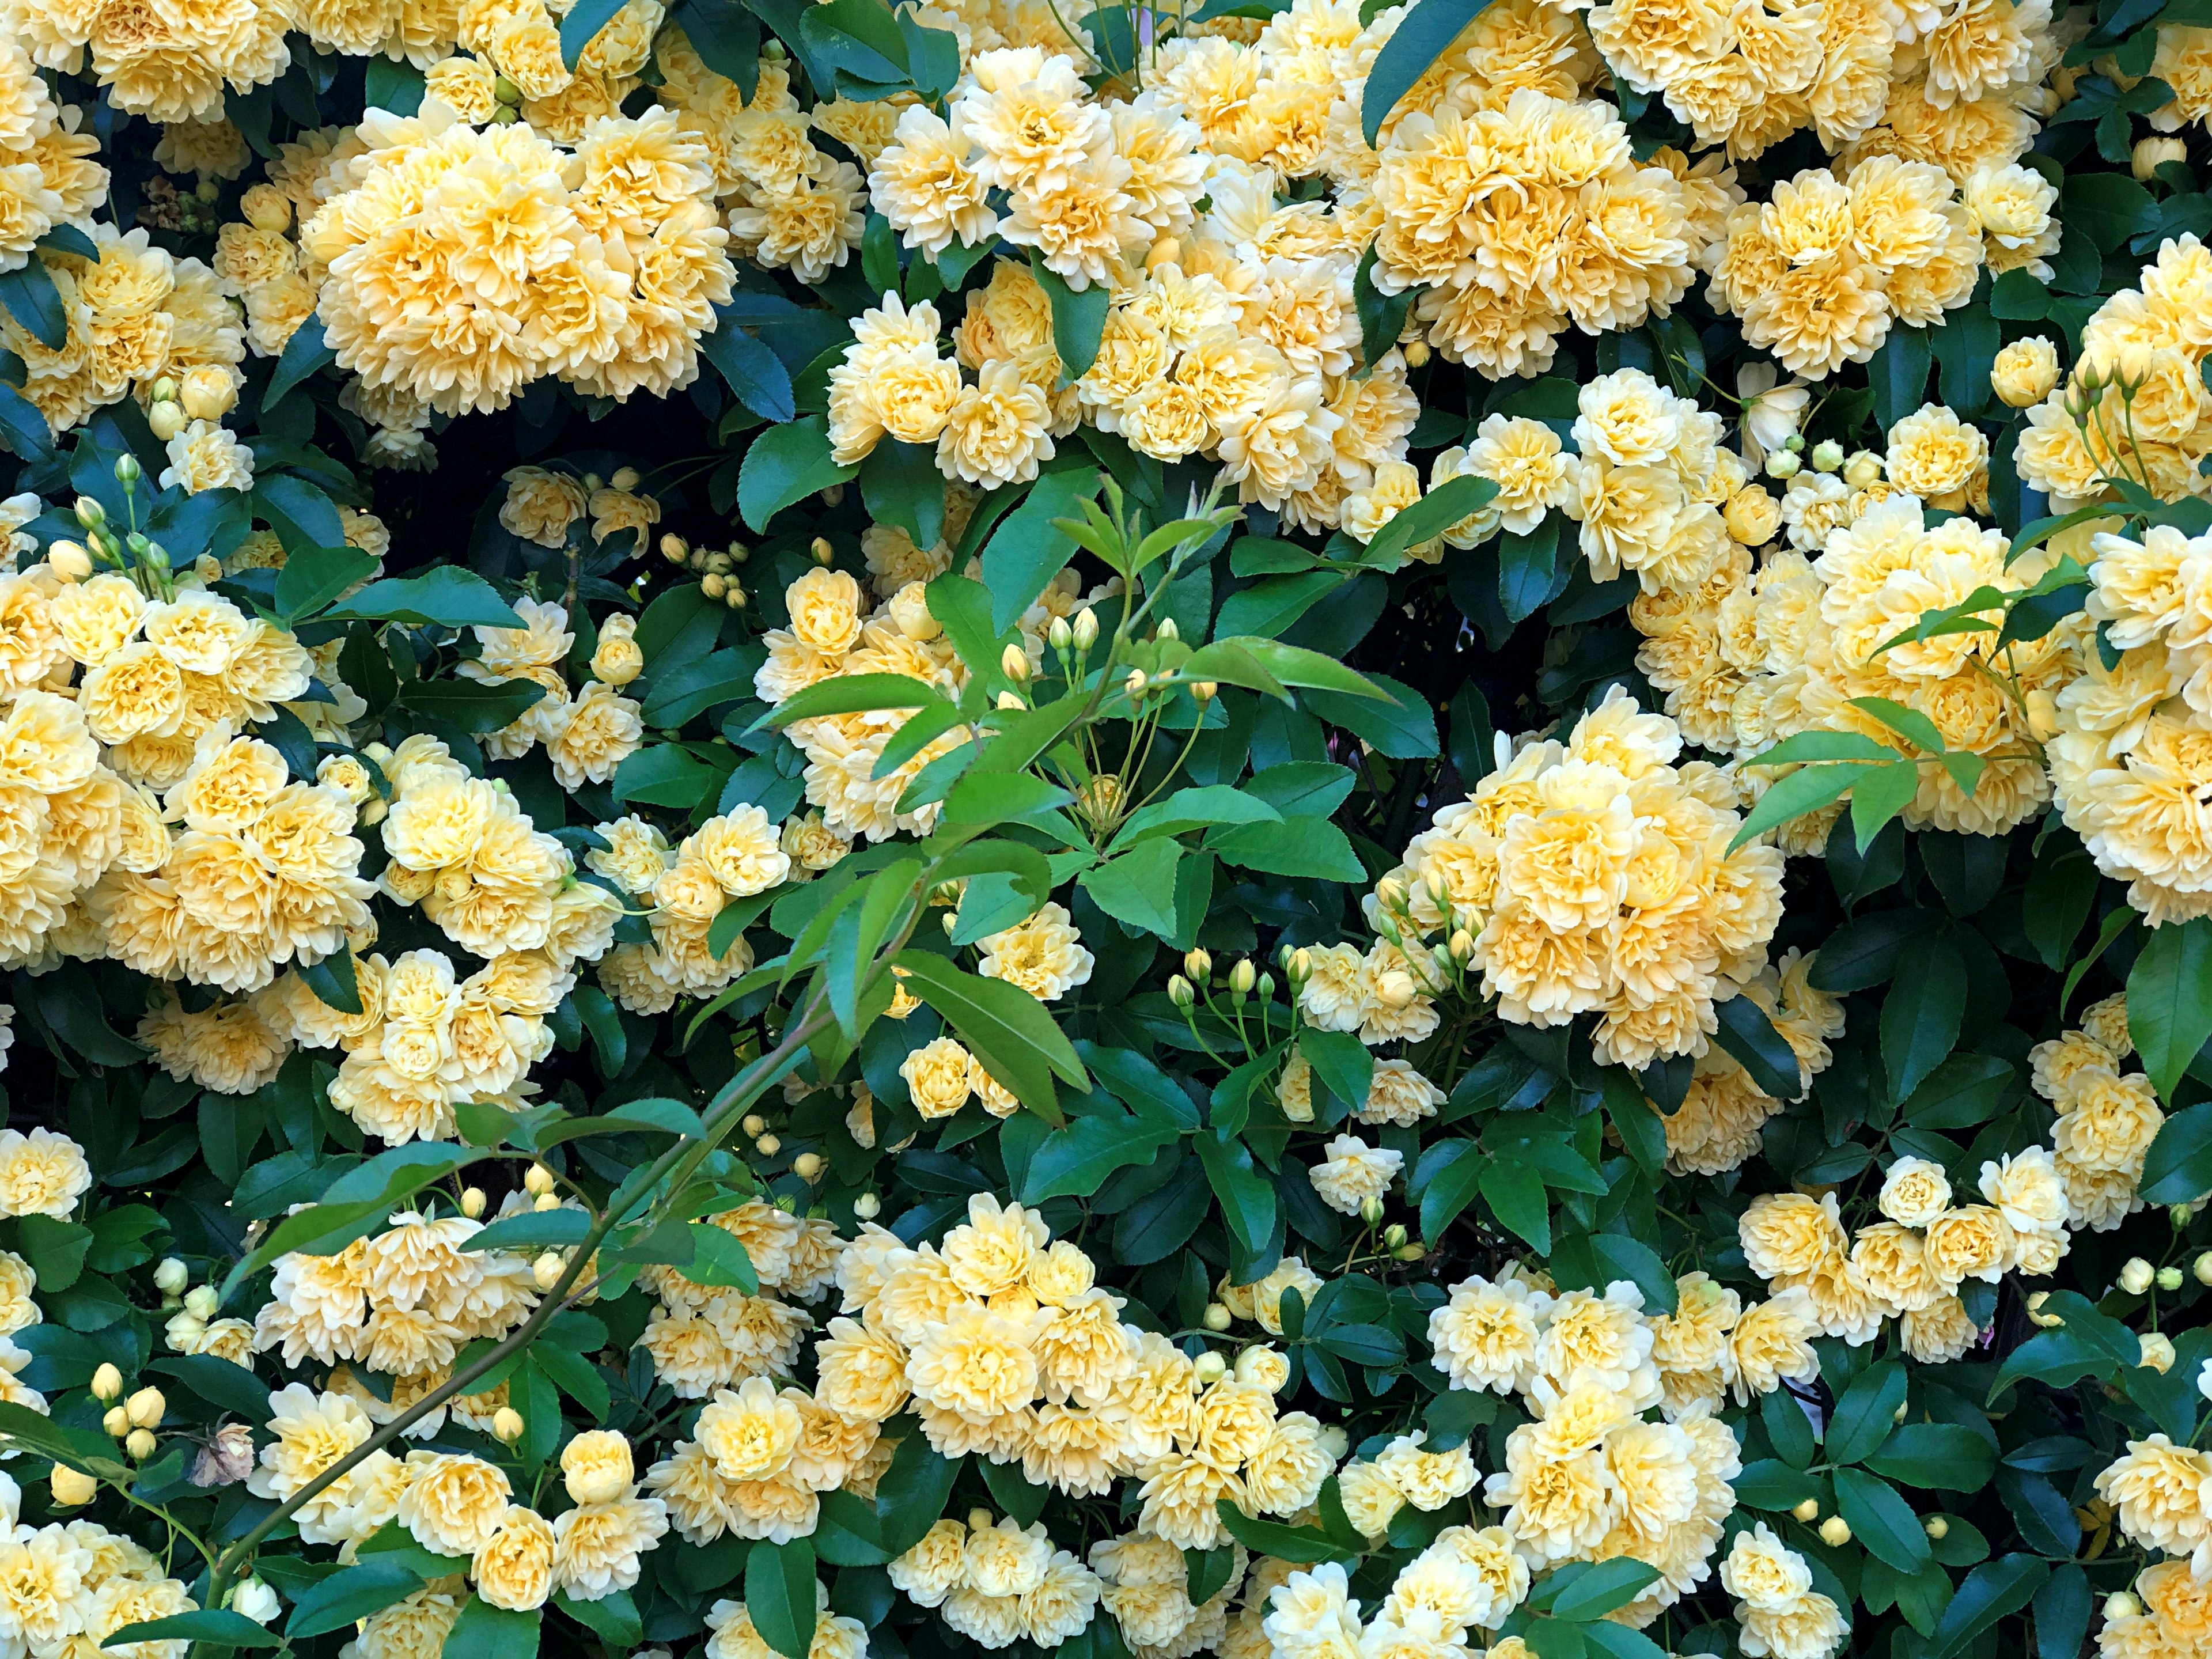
(784, 465)
(1341, 1063)
(586, 19)
(780, 1594)
(221, 1382)
(1881, 1520)
(446, 596)
(1749, 1035)
(23, 427)
(1422, 36)
(1311, 849)
(1137, 887)
(1434, 513)
(1206, 1572)
(1525, 567)
(31, 298)
(1027, 549)
(1382, 316)
(1991, 1591)
(484, 1632)
(55, 1250)
(1964, 1090)
(1074, 1162)
(1302, 1546)
(754, 372)
(473, 706)
(1006, 1027)
(902, 486)
(314, 577)
(1271, 604)
(2170, 1000)
(216, 1626)
(1879, 796)
(1898, 374)
(1949, 1455)
(1401, 725)
(308, 352)
(1864, 1415)
(1598, 1591)
(613, 1618)
(1807, 790)
(664, 775)
(1515, 1195)
(913, 1493)
(2177, 1168)
(1921, 1014)
(1078, 317)
(347, 1596)
(721, 1258)
(1248, 1198)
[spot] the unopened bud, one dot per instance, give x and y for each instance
(1179, 991)
(116, 1421)
(203, 1300)
(2137, 1276)
(1413, 1252)
(2157, 1351)
(106, 1383)
(1086, 629)
(1266, 987)
(1936, 1528)
(807, 1165)
(1861, 468)
(507, 1424)
(68, 561)
(473, 1202)
(256, 1601)
(1134, 685)
(2042, 710)
(71, 1488)
(1204, 692)
(145, 1407)
(1059, 636)
(1835, 1532)
(2122, 1604)
(981, 1520)
(1782, 464)
(753, 1124)
(2150, 154)
(2169, 1279)
(1394, 1235)
(166, 420)
(2201, 1267)
(171, 1276)
(537, 1180)
(1462, 945)
(1199, 965)
(1216, 1316)
(868, 1206)
(1167, 630)
(1211, 1368)
(1336, 1442)
(822, 552)
(1300, 965)
(506, 91)
(546, 1202)
(1371, 1210)
(127, 470)
(1808, 1511)
(2035, 1314)
(1242, 977)
(769, 1145)
(547, 1270)
(714, 586)
(1014, 664)
(1827, 455)
(140, 1444)
(89, 513)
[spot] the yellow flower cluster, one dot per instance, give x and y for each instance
(734, 856)
(1136, 1581)
(1909, 1265)
(47, 177)
(586, 736)
(457, 264)
(1757, 652)
(172, 65)
(1718, 1125)
(758, 1461)
(1781, 1615)
(1593, 875)
(941, 1077)
(1008, 1348)
(998, 1582)
(2107, 1118)
(1589, 1479)
(425, 1040)
(1261, 1301)
(703, 1338)
(460, 847)
(2134, 746)
(1819, 272)
(228, 1046)
(2176, 1616)
(402, 1302)
(733, 1635)
(135, 315)
(43, 1173)
(73, 1585)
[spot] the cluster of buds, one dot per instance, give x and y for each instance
(712, 568)
(1429, 971)
(201, 397)
(132, 1421)
(765, 1141)
(2137, 1276)
(138, 555)
(199, 209)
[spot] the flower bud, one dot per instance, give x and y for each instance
(2024, 372)
(1371, 1210)
(166, 420)
(1216, 1316)
(674, 550)
(256, 1601)
(1417, 353)
(1134, 685)
(1086, 629)
(2035, 1314)
(1936, 1528)
(127, 470)
(145, 1408)
(1835, 1532)
(1395, 989)
(2169, 1279)
(2181, 1215)
(2135, 1276)
(1010, 700)
(2201, 1267)
(1199, 965)
(713, 586)
(68, 561)
(1014, 664)
(203, 1300)
(2150, 154)
(1827, 455)
(1179, 991)
(2122, 1604)
(981, 1520)
(140, 1444)
(1211, 1368)
(1861, 468)
(1266, 987)
(1204, 692)
(507, 1424)
(1165, 252)
(473, 1202)
(625, 478)
(546, 1202)
(822, 552)
(1300, 965)
(89, 511)
(2042, 714)
(1059, 636)
(753, 1124)
(1242, 977)
(116, 1421)
(1336, 1442)
(1807, 1511)
(537, 1180)
(547, 1270)
(868, 1206)
(807, 1165)
(71, 1488)
(171, 1276)
(1394, 1235)
(769, 1145)
(1462, 945)
(2157, 1351)
(106, 1383)
(1167, 630)
(1414, 1252)
(1782, 464)
(506, 91)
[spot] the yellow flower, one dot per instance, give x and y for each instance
(750, 1432)
(996, 431)
(41, 1174)
(1043, 954)
(514, 1567)
(596, 1467)
(453, 1503)
(937, 1077)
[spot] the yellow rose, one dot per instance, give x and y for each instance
(597, 1467)
(514, 1569)
(937, 1077)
